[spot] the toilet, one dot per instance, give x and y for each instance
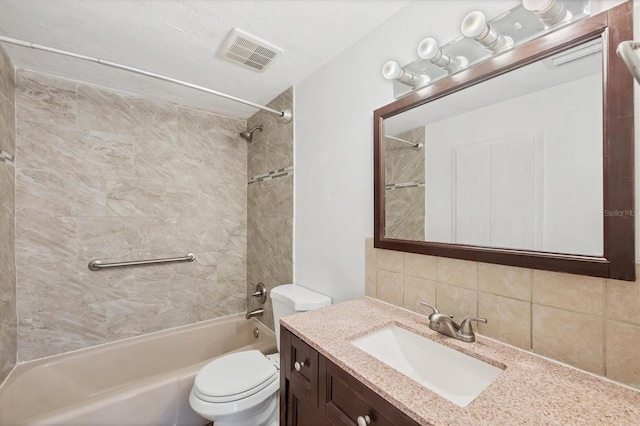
(242, 388)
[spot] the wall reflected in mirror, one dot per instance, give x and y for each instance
(514, 162)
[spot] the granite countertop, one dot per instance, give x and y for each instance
(532, 390)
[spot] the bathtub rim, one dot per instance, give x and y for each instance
(141, 338)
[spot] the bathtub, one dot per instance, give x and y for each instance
(138, 381)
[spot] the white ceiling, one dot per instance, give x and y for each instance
(180, 39)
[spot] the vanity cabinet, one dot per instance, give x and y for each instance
(299, 381)
(347, 399)
(315, 391)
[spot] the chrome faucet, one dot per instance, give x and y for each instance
(445, 324)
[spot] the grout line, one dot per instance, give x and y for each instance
(531, 272)
(531, 326)
(476, 266)
(604, 331)
(604, 347)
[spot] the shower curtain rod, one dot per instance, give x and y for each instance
(285, 115)
(415, 146)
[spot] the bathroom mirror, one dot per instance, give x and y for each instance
(525, 159)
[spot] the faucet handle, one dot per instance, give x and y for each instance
(465, 326)
(260, 293)
(435, 310)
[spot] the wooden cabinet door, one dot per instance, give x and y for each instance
(302, 413)
(303, 371)
(300, 383)
(347, 400)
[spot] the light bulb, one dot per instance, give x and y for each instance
(475, 26)
(428, 49)
(393, 71)
(550, 12)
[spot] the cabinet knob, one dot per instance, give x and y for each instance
(298, 365)
(363, 420)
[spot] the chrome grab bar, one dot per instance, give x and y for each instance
(96, 264)
(631, 60)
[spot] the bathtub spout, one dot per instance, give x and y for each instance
(255, 313)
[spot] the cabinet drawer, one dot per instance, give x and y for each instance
(302, 369)
(348, 399)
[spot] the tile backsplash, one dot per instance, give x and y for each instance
(590, 323)
(105, 175)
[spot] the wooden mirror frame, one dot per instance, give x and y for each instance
(618, 261)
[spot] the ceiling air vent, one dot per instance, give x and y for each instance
(248, 50)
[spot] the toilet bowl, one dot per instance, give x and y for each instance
(242, 388)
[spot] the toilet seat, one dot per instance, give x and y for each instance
(248, 406)
(234, 377)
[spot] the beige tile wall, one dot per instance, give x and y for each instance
(405, 206)
(590, 323)
(8, 324)
(270, 203)
(101, 174)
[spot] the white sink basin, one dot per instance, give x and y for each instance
(449, 373)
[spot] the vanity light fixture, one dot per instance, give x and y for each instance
(428, 49)
(392, 71)
(483, 38)
(550, 12)
(475, 26)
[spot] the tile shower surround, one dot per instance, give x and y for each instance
(404, 176)
(270, 203)
(589, 323)
(101, 174)
(8, 323)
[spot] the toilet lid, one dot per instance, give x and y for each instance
(235, 376)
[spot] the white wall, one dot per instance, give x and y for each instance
(334, 142)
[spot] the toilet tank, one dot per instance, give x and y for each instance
(290, 299)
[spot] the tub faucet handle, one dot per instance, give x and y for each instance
(260, 293)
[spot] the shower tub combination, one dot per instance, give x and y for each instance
(141, 380)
